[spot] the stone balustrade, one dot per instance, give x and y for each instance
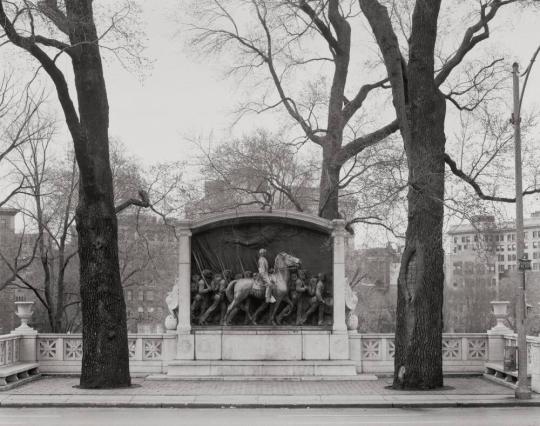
(62, 353)
(152, 353)
(9, 349)
(462, 353)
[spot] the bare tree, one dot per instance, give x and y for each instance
(279, 40)
(261, 170)
(420, 106)
(47, 30)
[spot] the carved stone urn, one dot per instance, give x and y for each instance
(170, 323)
(24, 312)
(500, 311)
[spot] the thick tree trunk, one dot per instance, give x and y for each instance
(105, 362)
(419, 324)
(329, 188)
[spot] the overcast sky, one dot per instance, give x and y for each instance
(185, 96)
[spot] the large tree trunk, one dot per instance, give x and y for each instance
(105, 361)
(419, 324)
(329, 187)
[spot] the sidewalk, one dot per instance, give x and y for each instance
(459, 392)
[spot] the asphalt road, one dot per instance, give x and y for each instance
(529, 416)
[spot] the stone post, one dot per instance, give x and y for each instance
(185, 344)
(497, 333)
(28, 336)
(339, 339)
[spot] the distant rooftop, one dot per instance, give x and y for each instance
(8, 212)
(488, 224)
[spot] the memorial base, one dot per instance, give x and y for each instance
(259, 370)
(264, 351)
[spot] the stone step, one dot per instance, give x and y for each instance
(358, 377)
(18, 373)
(289, 369)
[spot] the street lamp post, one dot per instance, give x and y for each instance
(522, 391)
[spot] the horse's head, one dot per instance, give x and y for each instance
(285, 260)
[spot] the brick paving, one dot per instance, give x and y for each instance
(65, 386)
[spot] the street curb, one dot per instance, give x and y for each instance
(202, 405)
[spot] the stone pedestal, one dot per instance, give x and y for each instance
(28, 341)
(496, 334)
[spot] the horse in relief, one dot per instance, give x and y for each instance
(239, 290)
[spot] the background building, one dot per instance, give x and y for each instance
(8, 292)
(482, 266)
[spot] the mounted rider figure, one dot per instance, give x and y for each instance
(262, 265)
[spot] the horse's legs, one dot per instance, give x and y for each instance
(246, 308)
(230, 308)
(274, 309)
(257, 312)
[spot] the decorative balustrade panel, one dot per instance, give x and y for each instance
(9, 350)
(455, 347)
(69, 347)
(461, 352)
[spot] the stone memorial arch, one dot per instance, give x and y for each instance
(218, 252)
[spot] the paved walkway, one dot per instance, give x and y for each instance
(459, 392)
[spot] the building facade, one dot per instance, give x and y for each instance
(480, 267)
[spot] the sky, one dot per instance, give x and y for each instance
(186, 96)
(183, 96)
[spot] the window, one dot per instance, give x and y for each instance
(150, 295)
(140, 295)
(491, 268)
(476, 238)
(526, 255)
(459, 248)
(465, 247)
(469, 267)
(500, 257)
(535, 244)
(536, 266)
(129, 295)
(536, 255)
(501, 268)
(462, 239)
(455, 240)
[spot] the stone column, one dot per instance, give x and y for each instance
(339, 339)
(185, 346)
(339, 275)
